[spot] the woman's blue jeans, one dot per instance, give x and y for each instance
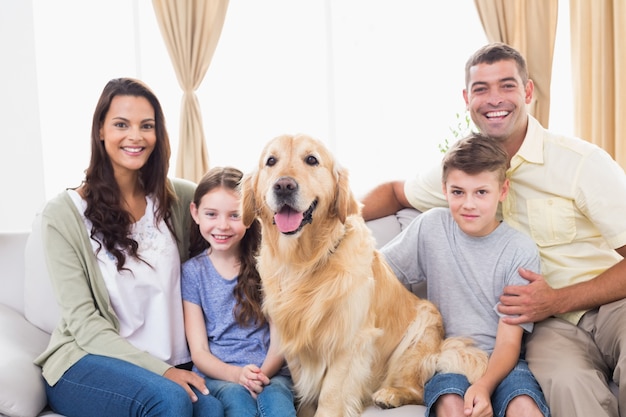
(101, 386)
(276, 399)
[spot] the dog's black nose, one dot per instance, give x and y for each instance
(285, 186)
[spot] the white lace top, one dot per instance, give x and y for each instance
(147, 300)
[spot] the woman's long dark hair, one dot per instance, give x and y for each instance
(247, 291)
(110, 221)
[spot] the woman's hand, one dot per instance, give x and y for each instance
(187, 379)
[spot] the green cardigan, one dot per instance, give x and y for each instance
(88, 323)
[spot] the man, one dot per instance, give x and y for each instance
(570, 197)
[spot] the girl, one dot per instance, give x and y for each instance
(113, 248)
(228, 335)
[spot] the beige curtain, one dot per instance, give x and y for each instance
(530, 27)
(598, 34)
(191, 29)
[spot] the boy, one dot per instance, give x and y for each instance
(467, 256)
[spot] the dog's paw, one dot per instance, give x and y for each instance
(386, 398)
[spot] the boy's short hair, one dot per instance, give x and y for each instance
(474, 154)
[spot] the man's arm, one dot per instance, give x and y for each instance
(385, 199)
(537, 300)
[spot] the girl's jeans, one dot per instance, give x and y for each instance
(276, 399)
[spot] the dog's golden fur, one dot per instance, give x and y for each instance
(350, 332)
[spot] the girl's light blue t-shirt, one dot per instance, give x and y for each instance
(228, 341)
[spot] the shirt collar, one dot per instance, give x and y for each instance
(532, 147)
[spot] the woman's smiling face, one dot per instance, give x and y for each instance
(129, 132)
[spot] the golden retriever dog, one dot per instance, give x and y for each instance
(351, 333)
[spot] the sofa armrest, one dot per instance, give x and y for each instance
(22, 390)
(12, 275)
(40, 305)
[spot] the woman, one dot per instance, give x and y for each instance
(114, 247)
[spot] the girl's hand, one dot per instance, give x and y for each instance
(253, 379)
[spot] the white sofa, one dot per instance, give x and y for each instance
(28, 314)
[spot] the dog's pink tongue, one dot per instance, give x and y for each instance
(288, 220)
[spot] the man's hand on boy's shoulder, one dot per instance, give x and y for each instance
(528, 303)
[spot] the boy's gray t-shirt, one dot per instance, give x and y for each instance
(465, 275)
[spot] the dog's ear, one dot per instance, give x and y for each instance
(248, 201)
(345, 202)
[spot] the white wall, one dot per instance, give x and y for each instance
(380, 82)
(21, 163)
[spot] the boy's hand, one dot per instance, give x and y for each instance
(477, 402)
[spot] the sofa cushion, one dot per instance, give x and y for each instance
(404, 411)
(22, 392)
(40, 307)
(386, 228)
